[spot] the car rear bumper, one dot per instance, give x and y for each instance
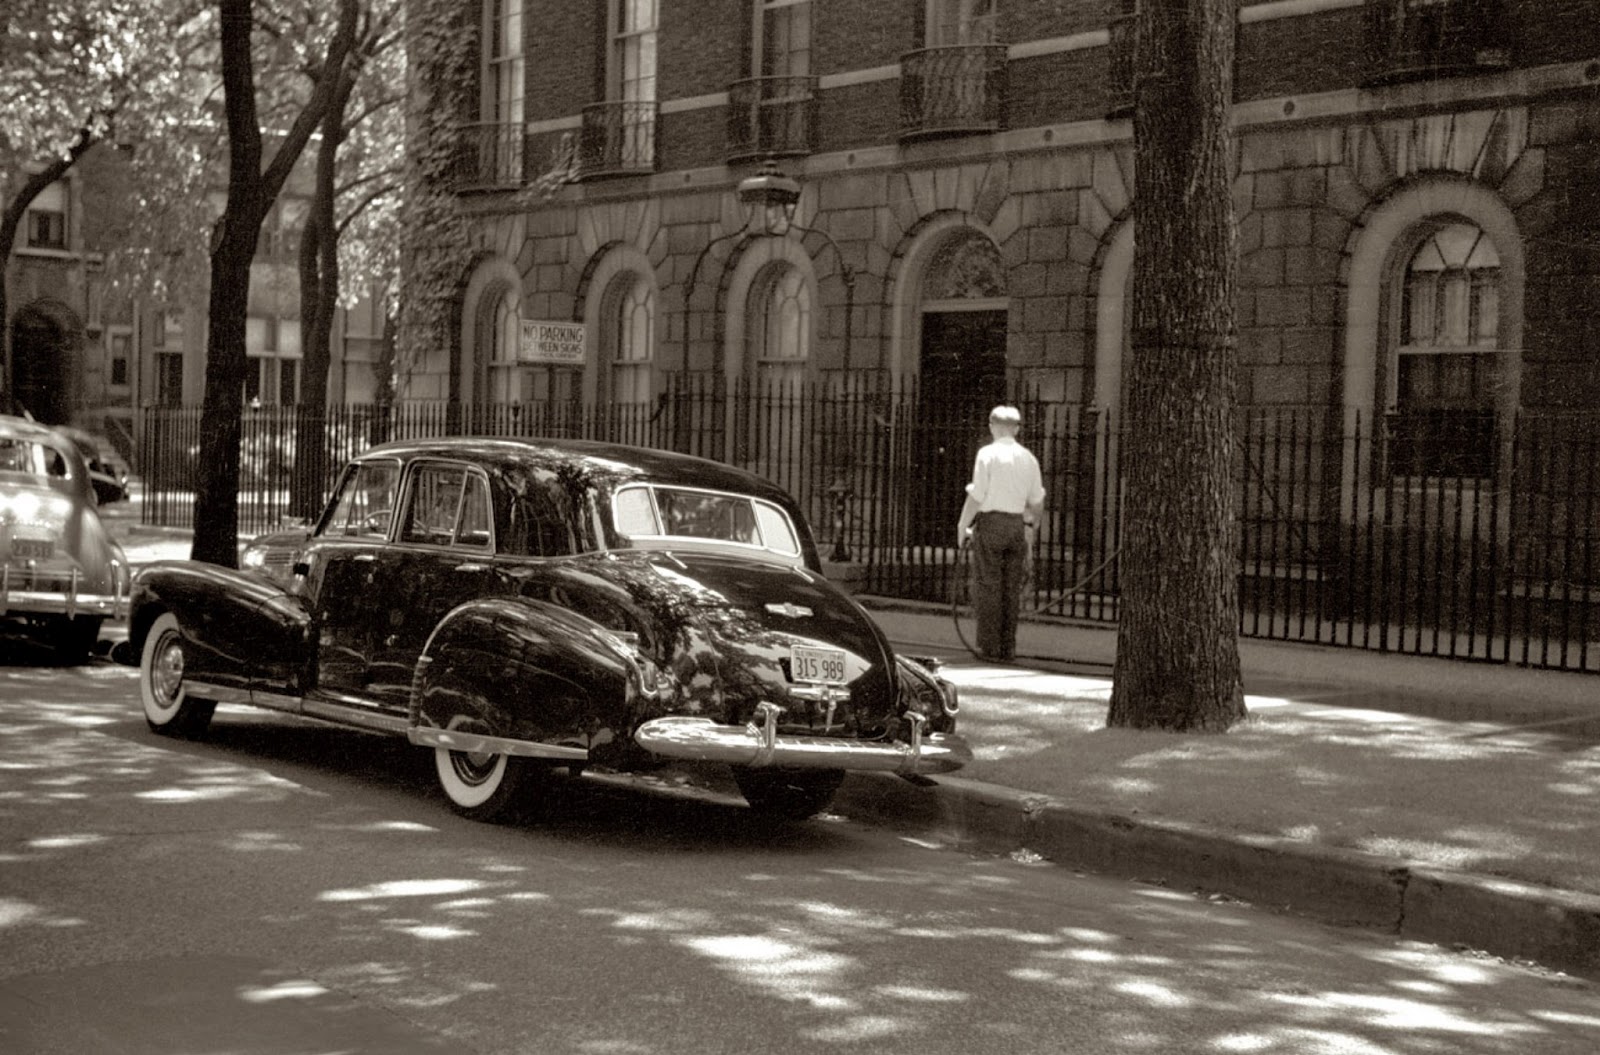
(25, 592)
(759, 745)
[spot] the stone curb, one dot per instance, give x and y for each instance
(1555, 928)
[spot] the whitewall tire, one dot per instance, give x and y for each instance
(168, 707)
(479, 785)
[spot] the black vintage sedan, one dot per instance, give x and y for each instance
(522, 606)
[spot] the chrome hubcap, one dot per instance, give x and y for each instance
(473, 768)
(166, 672)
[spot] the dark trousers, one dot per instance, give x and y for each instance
(999, 564)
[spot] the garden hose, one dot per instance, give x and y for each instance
(961, 587)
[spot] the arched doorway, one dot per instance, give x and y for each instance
(961, 374)
(44, 344)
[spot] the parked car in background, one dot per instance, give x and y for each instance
(522, 606)
(108, 472)
(61, 573)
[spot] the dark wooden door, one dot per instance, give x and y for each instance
(963, 375)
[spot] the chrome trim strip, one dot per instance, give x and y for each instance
(275, 701)
(348, 714)
(220, 693)
(454, 740)
(325, 709)
(702, 740)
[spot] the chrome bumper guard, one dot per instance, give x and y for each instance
(21, 593)
(757, 745)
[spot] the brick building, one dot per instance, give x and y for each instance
(1418, 197)
(1418, 208)
(81, 355)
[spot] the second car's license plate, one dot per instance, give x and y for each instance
(23, 548)
(809, 663)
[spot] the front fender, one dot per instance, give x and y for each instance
(242, 628)
(523, 670)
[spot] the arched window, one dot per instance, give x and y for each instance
(778, 338)
(631, 341)
(1442, 396)
(780, 331)
(498, 350)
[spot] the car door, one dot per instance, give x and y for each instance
(343, 562)
(442, 557)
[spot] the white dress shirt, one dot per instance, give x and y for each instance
(1006, 478)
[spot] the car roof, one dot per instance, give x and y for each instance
(607, 465)
(24, 429)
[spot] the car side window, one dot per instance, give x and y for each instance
(538, 522)
(434, 504)
(476, 514)
(776, 533)
(365, 501)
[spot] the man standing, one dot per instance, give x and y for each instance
(1003, 504)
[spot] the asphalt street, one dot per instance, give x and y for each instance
(284, 888)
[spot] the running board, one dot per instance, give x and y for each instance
(340, 711)
(352, 711)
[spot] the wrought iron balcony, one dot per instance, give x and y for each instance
(616, 139)
(952, 90)
(771, 117)
(1416, 39)
(490, 157)
(1119, 67)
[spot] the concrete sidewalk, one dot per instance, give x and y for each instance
(1439, 800)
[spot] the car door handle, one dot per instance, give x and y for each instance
(472, 566)
(365, 558)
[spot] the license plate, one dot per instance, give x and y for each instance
(825, 665)
(24, 548)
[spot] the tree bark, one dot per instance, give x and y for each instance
(319, 291)
(1177, 662)
(251, 192)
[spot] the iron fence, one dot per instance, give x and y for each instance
(1346, 537)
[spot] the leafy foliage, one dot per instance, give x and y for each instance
(442, 47)
(83, 73)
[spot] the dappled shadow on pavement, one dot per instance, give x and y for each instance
(799, 938)
(1473, 796)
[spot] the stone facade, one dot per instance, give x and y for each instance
(1338, 167)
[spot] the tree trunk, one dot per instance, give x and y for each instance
(319, 291)
(216, 503)
(251, 192)
(1177, 663)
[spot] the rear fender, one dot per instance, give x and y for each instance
(523, 670)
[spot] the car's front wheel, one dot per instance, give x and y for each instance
(481, 785)
(788, 794)
(168, 707)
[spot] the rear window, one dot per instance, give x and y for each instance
(677, 513)
(32, 457)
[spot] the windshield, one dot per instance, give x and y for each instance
(688, 514)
